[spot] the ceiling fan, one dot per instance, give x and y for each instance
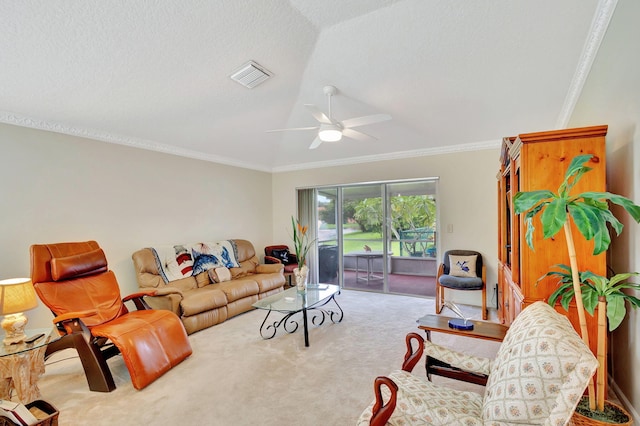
(332, 130)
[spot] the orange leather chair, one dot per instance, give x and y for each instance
(73, 280)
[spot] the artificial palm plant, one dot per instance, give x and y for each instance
(590, 213)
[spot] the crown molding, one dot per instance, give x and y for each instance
(599, 24)
(33, 123)
(476, 146)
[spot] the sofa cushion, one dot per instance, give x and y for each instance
(202, 279)
(237, 289)
(268, 282)
(245, 250)
(247, 267)
(269, 268)
(202, 300)
(219, 275)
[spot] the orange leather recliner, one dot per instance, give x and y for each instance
(73, 280)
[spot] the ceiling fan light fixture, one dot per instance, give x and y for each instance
(330, 133)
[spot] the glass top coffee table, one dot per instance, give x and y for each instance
(290, 302)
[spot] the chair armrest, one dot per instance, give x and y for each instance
(381, 411)
(140, 294)
(470, 363)
(70, 316)
(269, 268)
(411, 357)
(440, 271)
(271, 259)
(142, 305)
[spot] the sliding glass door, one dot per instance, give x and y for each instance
(363, 237)
(412, 223)
(378, 237)
(328, 236)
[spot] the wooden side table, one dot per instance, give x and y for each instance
(481, 330)
(22, 364)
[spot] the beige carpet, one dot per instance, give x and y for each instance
(234, 377)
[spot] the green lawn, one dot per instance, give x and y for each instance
(355, 241)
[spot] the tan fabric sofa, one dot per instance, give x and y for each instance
(198, 301)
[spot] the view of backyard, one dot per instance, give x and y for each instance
(378, 237)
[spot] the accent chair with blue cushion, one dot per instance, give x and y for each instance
(461, 270)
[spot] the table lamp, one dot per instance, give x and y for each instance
(16, 296)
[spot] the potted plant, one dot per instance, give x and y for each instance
(590, 213)
(606, 294)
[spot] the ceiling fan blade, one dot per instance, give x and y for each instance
(317, 114)
(316, 143)
(357, 135)
(292, 128)
(363, 121)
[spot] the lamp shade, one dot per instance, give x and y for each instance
(17, 295)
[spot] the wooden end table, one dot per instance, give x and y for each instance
(481, 330)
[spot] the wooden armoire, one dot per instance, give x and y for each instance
(538, 161)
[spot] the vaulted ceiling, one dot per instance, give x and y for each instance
(453, 74)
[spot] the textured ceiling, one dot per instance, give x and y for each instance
(452, 74)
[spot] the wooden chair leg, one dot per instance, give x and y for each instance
(96, 370)
(439, 297)
(484, 302)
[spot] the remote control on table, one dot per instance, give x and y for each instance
(33, 338)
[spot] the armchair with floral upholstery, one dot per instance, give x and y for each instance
(537, 378)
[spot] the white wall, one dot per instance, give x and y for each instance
(467, 199)
(56, 188)
(612, 96)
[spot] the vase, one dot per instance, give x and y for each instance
(301, 275)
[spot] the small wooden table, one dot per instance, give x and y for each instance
(481, 330)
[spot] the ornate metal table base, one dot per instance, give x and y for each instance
(317, 314)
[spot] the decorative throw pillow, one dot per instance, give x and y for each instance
(220, 275)
(463, 266)
(282, 254)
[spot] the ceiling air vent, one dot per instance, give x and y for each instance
(250, 74)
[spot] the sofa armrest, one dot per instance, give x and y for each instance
(167, 298)
(271, 259)
(269, 268)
